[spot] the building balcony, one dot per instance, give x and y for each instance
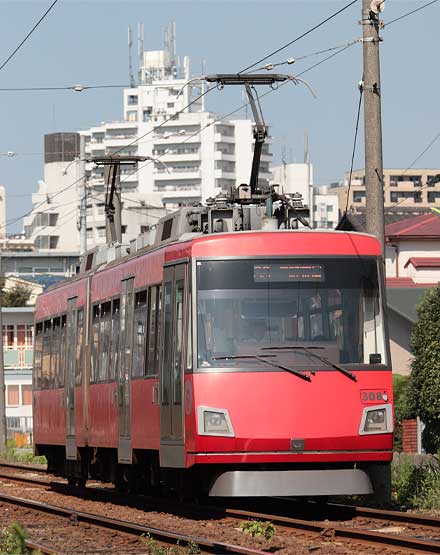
(219, 155)
(219, 138)
(221, 174)
(118, 140)
(20, 357)
(180, 193)
(161, 174)
(168, 158)
(169, 138)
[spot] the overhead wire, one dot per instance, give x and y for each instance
(317, 26)
(12, 54)
(209, 124)
(166, 120)
(410, 13)
(76, 88)
(361, 90)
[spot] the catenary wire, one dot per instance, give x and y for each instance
(295, 59)
(410, 13)
(76, 88)
(12, 54)
(354, 145)
(165, 120)
(330, 17)
(424, 151)
(218, 120)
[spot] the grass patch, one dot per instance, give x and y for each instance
(22, 455)
(417, 487)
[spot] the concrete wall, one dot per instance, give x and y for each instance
(400, 336)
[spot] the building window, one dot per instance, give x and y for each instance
(146, 115)
(26, 395)
(433, 195)
(132, 100)
(90, 233)
(329, 208)
(8, 336)
(24, 335)
(13, 395)
(170, 105)
(101, 231)
(131, 116)
(416, 180)
(358, 196)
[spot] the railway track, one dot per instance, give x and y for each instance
(323, 529)
(163, 536)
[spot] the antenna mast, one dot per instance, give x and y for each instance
(130, 61)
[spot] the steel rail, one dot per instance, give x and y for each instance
(386, 514)
(414, 544)
(40, 548)
(33, 467)
(166, 536)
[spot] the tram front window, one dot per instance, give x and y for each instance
(246, 307)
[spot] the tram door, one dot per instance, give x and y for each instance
(70, 369)
(172, 368)
(124, 371)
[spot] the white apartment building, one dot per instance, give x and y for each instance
(193, 156)
(325, 208)
(294, 178)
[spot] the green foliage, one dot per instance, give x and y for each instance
(23, 455)
(401, 408)
(12, 540)
(416, 487)
(258, 529)
(424, 384)
(19, 295)
(154, 548)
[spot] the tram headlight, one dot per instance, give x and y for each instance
(376, 420)
(214, 422)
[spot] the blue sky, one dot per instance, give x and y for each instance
(86, 42)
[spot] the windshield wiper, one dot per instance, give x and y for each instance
(262, 358)
(314, 355)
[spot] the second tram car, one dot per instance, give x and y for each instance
(249, 363)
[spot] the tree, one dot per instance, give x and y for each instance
(424, 384)
(19, 295)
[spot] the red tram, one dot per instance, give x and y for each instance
(248, 363)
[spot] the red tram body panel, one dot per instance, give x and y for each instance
(242, 364)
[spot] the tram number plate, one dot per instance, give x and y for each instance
(374, 396)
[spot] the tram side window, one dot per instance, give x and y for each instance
(46, 377)
(114, 347)
(167, 349)
(153, 329)
(139, 333)
(178, 342)
(38, 352)
(189, 337)
(158, 327)
(104, 341)
(79, 347)
(55, 351)
(95, 344)
(62, 358)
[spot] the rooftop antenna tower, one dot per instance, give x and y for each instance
(170, 46)
(130, 61)
(141, 50)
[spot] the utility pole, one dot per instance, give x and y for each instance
(373, 120)
(81, 167)
(2, 375)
